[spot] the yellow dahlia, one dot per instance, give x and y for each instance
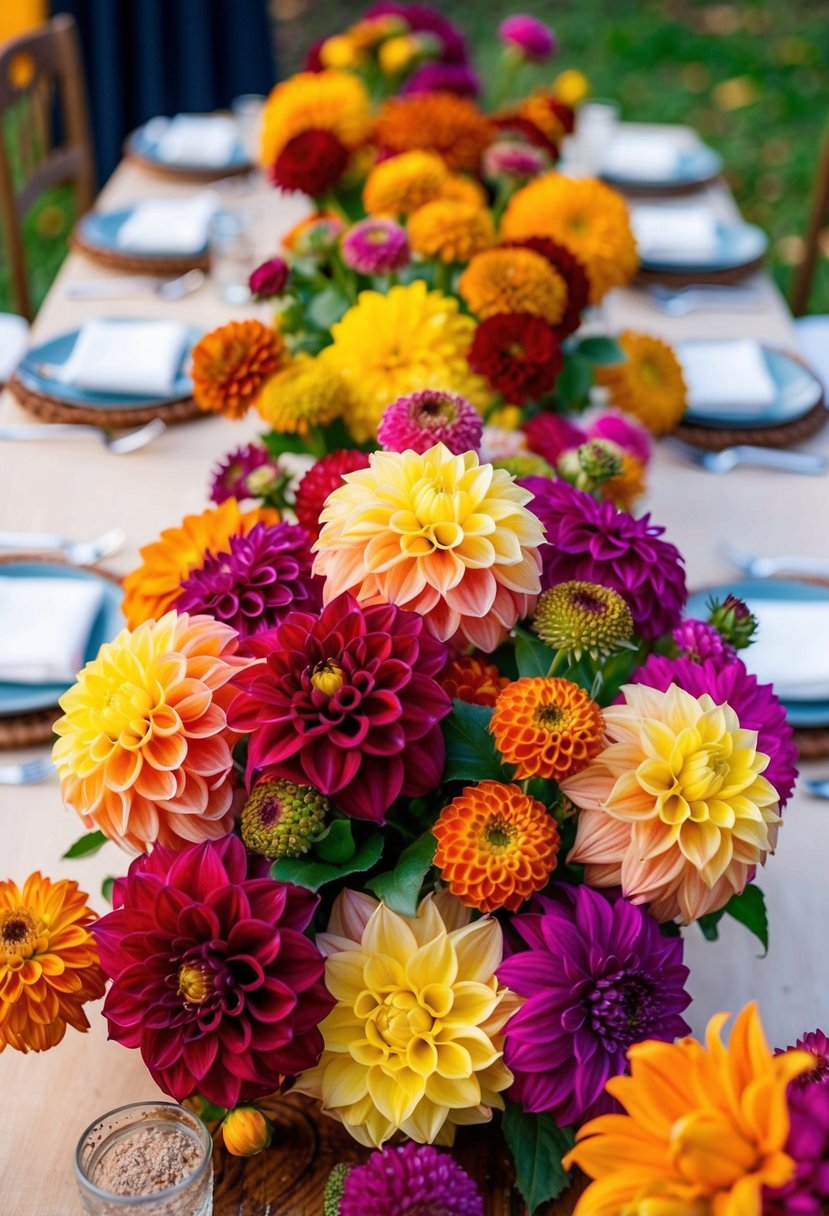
(513, 280)
(153, 587)
(649, 384)
(450, 230)
(546, 727)
(49, 964)
(315, 101)
(704, 1128)
(306, 394)
(452, 126)
(674, 808)
(403, 183)
(406, 340)
(143, 750)
(438, 534)
(414, 1041)
(585, 215)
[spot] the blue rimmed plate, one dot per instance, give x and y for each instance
(798, 391)
(26, 698)
(99, 230)
(143, 143)
(694, 167)
(738, 245)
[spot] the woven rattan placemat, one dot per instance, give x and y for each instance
(714, 439)
(119, 259)
(50, 409)
(689, 278)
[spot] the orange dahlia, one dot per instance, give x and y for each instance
(403, 183)
(546, 727)
(49, 964)
(496, 846)
(231, 364)
(470, 678)
(464, 189)
(513, 280)
(152, 588)
(649, 384)
(441, 122)
(450, 230)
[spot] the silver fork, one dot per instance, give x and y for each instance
(113, 289)
(679, 301)
(27, 772)
(755, 566)
(747, 454)
(121, 445)
(77, 552)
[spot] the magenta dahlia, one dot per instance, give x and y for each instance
(411, 1180)
(551, 435)
(423, 19)
(420, 420)
(323, 477)
(598, 976)
(593, 541)
(755, 705)
(526, 34)
(459, 78)
(347, 701)
(807, 1193)
(630, 435)
(264, 576)
(213, 978)
(230, 478)
(515, 159)
(697, 640)
(817, 1044)
(376, 246)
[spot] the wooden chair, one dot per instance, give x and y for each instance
(44, 133)
(818, 213)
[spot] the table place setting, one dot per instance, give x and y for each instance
(161, 235)
(689, 242)
(669, 160)
(195, 146)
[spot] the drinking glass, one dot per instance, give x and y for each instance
(232, 248)
(596, 123)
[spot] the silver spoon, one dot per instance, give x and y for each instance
(112, 289)
(76, 552)
(121, 445)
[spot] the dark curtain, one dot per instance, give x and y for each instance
(149, 57)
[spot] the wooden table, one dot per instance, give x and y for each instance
(80, 489)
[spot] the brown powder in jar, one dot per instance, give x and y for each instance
(152, 1159)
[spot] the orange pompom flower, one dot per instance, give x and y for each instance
(649, 384)
(513, 280)
(49, 964)
(403, 183)
(440, 122)
(497, 846)
(470, 678)
(231, 364)
(546, 727)
(450, 230)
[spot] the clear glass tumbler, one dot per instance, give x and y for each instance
(596, 124)
(247, 111)
(104, 1163)
(231, 240)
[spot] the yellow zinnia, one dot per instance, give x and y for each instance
(307, 393)
(513, 280)
(389, 345)
(315, 101)
(450, 230)
(414, 1041)
(704, 1131)
(403, 183)
(649, 384)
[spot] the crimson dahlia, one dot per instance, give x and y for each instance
(323, 477)
(311, 163)
(519, 354)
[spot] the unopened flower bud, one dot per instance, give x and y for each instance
(733, 620)
(246, 1131)
(583, 618)
(281, 819)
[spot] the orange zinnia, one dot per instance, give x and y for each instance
(546, 727)
(231, 364)
(439, 122)
(49, 964)
(470, 678)
(496, 846)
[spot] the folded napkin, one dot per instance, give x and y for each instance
(45, 626)
(643, 156)
(686, 233)
(198, 139)
(131, 357)
(730, 376)
(169, 225)
(14, 338)
(791, 649)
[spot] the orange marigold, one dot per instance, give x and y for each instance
(513, 280)
(450, 230)
(496, 846)
(451, 126)
(49, 964)
(470, 678)
(649, 384)
(231, 364)
(464, 189)
(152, 588)
(403, 183)
(546, 727)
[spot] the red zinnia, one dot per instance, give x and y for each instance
(323, 477)
(312, 162)
(519, 354)
(570, 269)
(213, 977)
(347, 702)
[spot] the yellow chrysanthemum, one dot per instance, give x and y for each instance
(49, 964)
(585, 215)
(403, 183)
(450, 230)
(464, 189)
(307, 393)
(400, 53)
(649, 384)
(152, 588)
(341, 52)
(414, 1041)
(704, 1129)
(315, 101)
(389, 345)
(571, 87)
(513, 280)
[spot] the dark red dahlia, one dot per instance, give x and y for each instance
(312, 163)
(269, 279)
(519, 354)
(213, 978)
(571, 270)
(348, 702)
(323, 477)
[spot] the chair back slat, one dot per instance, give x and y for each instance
(818, 212)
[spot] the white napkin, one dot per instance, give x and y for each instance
(169, 225)
(686, 233)
(198, 139)
(726, 374)
(14, 338)
(792, 648)
(132, 357)
(642, 156)
(45, 625)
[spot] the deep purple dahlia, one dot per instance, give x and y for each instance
(230, 478)
(817, 1044)
(412, 1180)
(253, 587)
(423, 19)
(459, 78)
(598, 976)
(697, 640)
(807, 1193)
(593, 541)
(528, 35)
(420, 420)
(212, 975)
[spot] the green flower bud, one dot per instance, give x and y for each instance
(281, 819)
(334, 1190)
(733, 621)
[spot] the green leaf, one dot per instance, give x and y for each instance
(277, 443)
(749, 908)
(85, 846)
(337, 845)
(470, 750)
(709, 925)
(531, 654)
(537, 1145)
(327, 307)
(575, 381)
(400, 887)
(305, 872)
(602, 351)
(106, 888)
